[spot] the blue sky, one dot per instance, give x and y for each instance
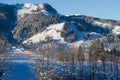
(108, 9)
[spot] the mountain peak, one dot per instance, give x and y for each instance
(48, 7)
(30, 8)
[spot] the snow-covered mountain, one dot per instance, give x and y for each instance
(30, 8)
(39, 37)
(33, 23)
(55, 33)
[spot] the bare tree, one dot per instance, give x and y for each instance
(115, 62)
(97, 52)
(80, 59)
(72, 56)
(93, 57)
(46, 51)
(40, 62)
(117, 67)
(3, 44)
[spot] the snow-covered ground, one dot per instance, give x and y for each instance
(19, 55)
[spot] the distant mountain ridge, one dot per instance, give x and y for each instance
(25, 23)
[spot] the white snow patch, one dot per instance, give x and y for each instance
(116, 30)
(94, 35)
(102, 24)
(72, 15)
(15, 50)
(51, 31)
(27, 9)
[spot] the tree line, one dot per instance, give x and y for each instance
(72, 64)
